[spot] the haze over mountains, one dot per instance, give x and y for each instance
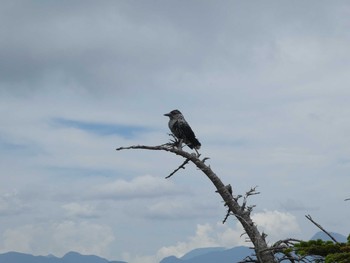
(70, 257)
(199, 255)
(211, 255)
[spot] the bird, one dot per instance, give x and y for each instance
(182, 130)
(228, 188)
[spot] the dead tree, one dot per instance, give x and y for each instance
(241, 211)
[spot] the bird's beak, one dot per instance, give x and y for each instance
(167, 114)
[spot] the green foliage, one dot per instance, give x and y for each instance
(338, 257)
(324, 251)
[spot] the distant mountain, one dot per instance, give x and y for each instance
(236, 254)
(71, 257)
(201, 251)
(199, 255)
(171, 259)
(321, 235)
(211, 255)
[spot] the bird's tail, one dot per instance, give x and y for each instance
(195, 144)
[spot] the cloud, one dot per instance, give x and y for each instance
(182, 207)
(202, 238)
(146, 186)
(11, 203)
(104, 46)
(277, 225)
(168, 209)
(80, 210)
(206, 235)
(263, 86)
(291, 204)
(58, 238)
(274, 223)
(109, 50)
(127, 257)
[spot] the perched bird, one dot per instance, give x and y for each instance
(228, 188)
(181, 130)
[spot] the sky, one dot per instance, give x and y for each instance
(264, 85)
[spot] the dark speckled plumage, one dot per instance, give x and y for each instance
(182, 130)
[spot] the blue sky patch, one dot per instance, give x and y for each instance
(126, 131)
(7, 147)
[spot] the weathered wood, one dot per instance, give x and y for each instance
(241, 212)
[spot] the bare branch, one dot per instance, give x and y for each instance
(320, 227)
(227, 215)
(281, 246)
(236, 198)
(285, 243)
(260, 246)
(159, 147)
(204, 159)
(252, 191)
(182, 166)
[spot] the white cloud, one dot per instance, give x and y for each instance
(83, 237)
(264, 89)
(58, 238)
(274, 223)
(10, 203)
(145, 186)
(278, 225)
(207, 235)
(291, 204)
(19, 239)
(80, 210)
(180, 208)
(204, 237)
(139, 259)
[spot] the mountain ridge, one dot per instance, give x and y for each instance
(211, 255)
(236, 254)
(198, 255)
(321, 235)
(70, 257)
